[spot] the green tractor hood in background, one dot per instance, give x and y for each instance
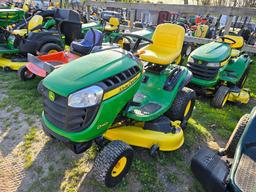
(10, 16)
(212, 52)
(88, 70)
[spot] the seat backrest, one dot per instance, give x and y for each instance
(239, 41)
(168, 36)
(94, 36)
(114, 21)
(34, 22)
(71, 30)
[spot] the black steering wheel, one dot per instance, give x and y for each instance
(135, 41)
(231, 41)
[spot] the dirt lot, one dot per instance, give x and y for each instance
(29, 161)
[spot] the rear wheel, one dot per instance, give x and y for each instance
(231, 145)
(243, 79)
(24, 74)
(49, 48)
(182, 106)
(113, 163)
(221, 96)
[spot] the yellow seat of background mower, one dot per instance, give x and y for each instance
(34, 22)
(235, 53)
(167, 44)
(239, 41)
(112, 25)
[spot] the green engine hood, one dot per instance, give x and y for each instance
(212, 52)
(88, 70)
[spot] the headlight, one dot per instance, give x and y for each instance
(86, 97)
(190, 59)
(212, 64)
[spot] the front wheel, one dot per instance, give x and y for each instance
(243, 79)
(183, 105)
(221, 96)
(113, 163)
(24, 74)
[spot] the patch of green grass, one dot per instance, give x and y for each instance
(73, 176)
(28, 140)
(172, 178)
(21, 93)
(146, 173)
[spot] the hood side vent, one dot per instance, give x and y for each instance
(119, 79)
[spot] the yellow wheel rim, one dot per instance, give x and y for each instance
(177, 61)
(52, 51)
(225, 100)
(119, 167)
(187, 108)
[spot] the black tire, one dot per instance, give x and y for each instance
(40, 87)
(6, 69)
(24, 74)
(231, 145)
(220, 97)
(243, 79)
(178, 109)
(46, 48)
(108, 158)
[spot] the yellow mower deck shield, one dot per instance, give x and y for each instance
(12, 65)
(137, 136)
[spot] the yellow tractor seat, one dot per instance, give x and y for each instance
(112, 25)
(167, 44)
(34, 22)
(239, 41)
(20, 32)
(235, 52)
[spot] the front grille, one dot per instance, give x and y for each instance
(202, 71)
(67, 118)
(120, 78)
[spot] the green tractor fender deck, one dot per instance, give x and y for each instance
(235, 69)
(153, 93)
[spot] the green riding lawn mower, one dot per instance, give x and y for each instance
(233, 168)
(120, 99)
(35, 39)
(220, 69)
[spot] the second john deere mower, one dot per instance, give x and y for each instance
(35, 39)
(221, 69)
(111, 96)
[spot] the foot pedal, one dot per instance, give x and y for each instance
(147, 109)
(210, 170)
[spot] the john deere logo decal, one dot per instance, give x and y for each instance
(51, 95)
(200, 62)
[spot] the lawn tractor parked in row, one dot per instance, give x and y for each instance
(114, 97)
(109, 28)
(35, 39)
(232, 169)
(220, 69)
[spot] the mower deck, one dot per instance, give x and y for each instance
(11, 64)
(245, 177)
(137, 136)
